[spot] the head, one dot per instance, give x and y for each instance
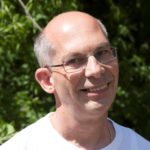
(70, 35)
(44, 50)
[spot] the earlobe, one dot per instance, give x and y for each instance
(44, 78)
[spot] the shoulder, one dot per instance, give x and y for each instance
(130, 137)
(25, 136)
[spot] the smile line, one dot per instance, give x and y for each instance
(95, 89)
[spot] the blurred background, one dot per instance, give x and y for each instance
(22, 101)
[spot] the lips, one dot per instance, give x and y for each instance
(95, 88)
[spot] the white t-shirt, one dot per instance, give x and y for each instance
(42, 136)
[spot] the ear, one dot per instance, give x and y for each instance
(44, 78)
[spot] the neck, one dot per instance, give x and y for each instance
(97, 131)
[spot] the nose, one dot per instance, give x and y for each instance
(93, 68)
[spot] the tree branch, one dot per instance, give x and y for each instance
(29, 15)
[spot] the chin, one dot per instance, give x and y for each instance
(98, 106)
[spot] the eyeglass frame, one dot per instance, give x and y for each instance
(114, 52)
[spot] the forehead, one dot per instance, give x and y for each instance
(80, 42)
(79, 34)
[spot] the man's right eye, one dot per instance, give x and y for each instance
(74, 61)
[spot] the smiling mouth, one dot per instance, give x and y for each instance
(96, 89)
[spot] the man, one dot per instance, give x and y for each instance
(79, 66)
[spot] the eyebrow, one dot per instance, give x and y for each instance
(79, 54)
(73, 55)
(103, 45)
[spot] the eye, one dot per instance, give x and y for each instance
(75, 61)
(102, 53)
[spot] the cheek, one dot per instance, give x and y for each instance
(115, 70)
(75, 79)
(66, 86)
(60, 85)
(115, 74)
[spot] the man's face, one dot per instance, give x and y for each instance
(92, 89)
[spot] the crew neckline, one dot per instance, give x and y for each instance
(67, 145)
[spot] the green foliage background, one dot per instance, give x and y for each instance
(22, 101)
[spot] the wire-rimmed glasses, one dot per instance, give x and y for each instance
(78, 63)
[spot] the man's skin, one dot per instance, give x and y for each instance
(83, 98)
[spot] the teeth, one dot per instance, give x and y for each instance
(97, 89)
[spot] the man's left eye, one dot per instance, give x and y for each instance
(102, 53)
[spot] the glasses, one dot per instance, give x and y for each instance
(78, 63)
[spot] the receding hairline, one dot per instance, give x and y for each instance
(72, 18)
(43, 45)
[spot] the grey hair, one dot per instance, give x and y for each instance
(43, 48)
(103, 28)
